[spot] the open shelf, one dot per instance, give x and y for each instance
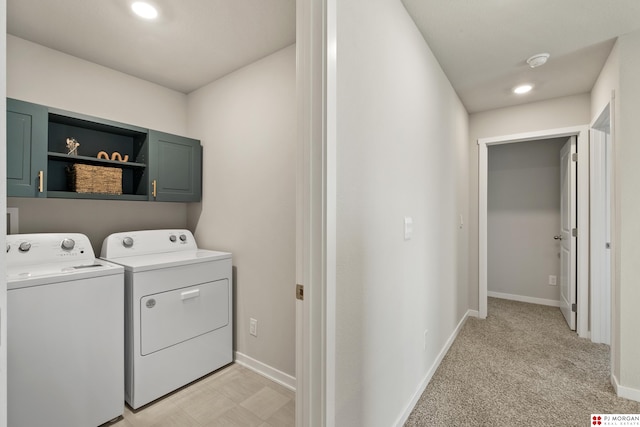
(100, 196)
(93, 161)
(95, 135)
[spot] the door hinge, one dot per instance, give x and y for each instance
(574, 157)
(300, 292)
(574, 307)
(574, 232)
(607, 245)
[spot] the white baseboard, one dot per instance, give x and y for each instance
(423, 385)
(531, 300)
(266, 371)
(626, 392)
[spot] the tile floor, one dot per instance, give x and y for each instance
(232, 396)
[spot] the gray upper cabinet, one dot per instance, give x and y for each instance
(175, 168)
(114, 161)
(26, 149)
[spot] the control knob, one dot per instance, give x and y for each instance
(24, 247)
(127, 242)
(67, 244)
(183, 237)
(172, 237)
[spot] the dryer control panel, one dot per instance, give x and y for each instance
(147, 242)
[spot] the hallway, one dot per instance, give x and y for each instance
(520, 366)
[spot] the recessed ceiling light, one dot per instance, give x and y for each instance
(522, 89)
(538, 60)
(144, 10)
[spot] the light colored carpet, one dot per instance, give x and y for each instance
(522, 366)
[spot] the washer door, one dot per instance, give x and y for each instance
(169, 318)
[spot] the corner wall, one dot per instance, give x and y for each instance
(608, 83)
(247, 124)
(621, 74)
(49, 77)
(627, 176)
(402, 151)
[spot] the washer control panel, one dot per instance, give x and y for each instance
(147, 242)
(36, 249)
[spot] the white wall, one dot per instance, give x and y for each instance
(45, 76)
(247, 124)
(627, 153)
(523, 215)
(552, 114)
(621, 74)
(607, 83)
(401, 151)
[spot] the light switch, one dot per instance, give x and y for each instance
(408, 227)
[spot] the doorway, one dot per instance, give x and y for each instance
(582, 135)
(524, 221)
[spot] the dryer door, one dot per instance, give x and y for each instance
(169, 318)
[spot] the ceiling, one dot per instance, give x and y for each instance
(192, 43)
(482, 45)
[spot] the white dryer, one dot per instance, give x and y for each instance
(65, 325)
(178, 310)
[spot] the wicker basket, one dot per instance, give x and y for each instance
(94, 179)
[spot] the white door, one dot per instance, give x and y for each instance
(568, 203)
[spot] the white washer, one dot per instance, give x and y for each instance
(65, 322)
(178, 312)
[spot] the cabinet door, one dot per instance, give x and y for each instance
(175, 164)
(26, 149)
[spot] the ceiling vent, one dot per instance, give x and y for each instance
(538, 60)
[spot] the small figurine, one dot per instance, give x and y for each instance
(72, 146)
(115, 156)
(118, 157)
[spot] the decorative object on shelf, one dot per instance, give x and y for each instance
(115, 156)
(94, 179)
(72, 146)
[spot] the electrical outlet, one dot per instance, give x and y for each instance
(553, 281)
(253, 327)
(426, 331)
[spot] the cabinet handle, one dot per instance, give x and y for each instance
(41, 181)
(154, 184)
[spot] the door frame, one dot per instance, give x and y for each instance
(316, 212)
(601, 186)
(582, 134)
(3, 207)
